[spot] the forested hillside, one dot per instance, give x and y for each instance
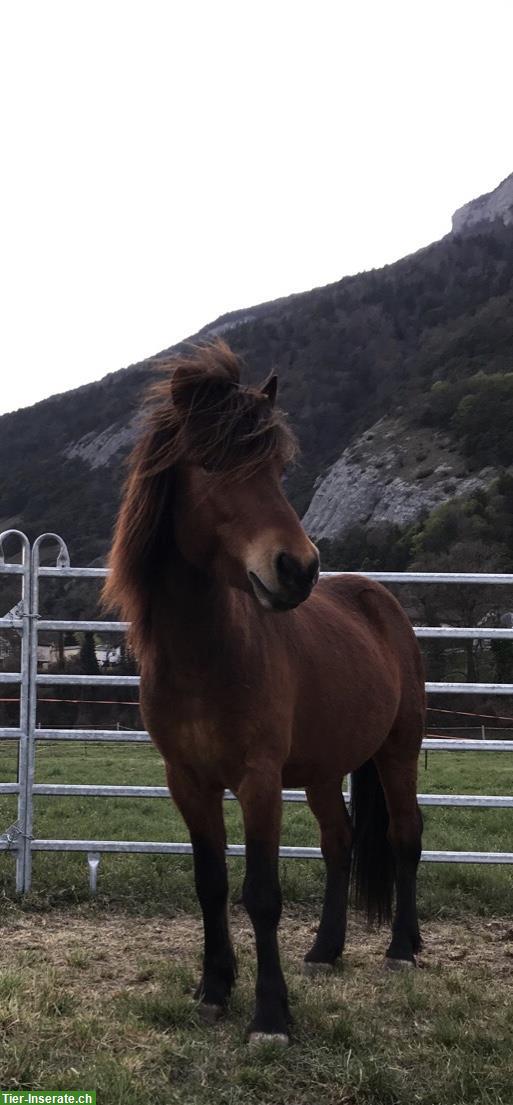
(429, 338)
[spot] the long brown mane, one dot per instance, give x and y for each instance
(200, 413)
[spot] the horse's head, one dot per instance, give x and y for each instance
(231, 518)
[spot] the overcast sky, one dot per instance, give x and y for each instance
(165, 162)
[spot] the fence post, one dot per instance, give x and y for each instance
(24, 610)
(63, 561)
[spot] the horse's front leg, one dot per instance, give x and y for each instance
(260, 799)
(202, 811)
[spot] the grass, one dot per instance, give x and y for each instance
(98, 993)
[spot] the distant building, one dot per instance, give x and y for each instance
(48, 655)
(107, 656)
(51, 654)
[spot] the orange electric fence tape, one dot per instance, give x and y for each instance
(465, 713)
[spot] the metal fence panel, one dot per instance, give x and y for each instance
(19, 837)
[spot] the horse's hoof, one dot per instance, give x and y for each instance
(312, 968)
(399, 964)
(210, 1014)
(259, 1039)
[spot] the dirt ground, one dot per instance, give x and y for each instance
(104, 999)
(116, 947)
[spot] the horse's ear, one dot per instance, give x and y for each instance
(201, 392)
(270, 388)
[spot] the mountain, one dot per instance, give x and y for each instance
(398, 382)
(496, 205)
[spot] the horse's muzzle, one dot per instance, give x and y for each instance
(289, 594)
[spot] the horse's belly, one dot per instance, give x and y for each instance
(340, 731)
(332, 760)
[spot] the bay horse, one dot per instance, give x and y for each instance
(255, 676)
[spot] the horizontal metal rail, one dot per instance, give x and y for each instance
(431, 577)
(467, 857)
(421, 631)
(140, 736)
(134, 681)
(73, 573)
(383, 577)
(456, 632)
(82, 627)
(156, 847)
(73, 790)
(473, 801)
(70, 790)
(88, 680)
(153, 847)
(457, 744)
(469, 688)
(10, 677)
(136, 736)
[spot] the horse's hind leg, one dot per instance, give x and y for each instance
(202, 811)
(327, 804)
(399, 781)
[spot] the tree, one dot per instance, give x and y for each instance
(502, 652)
(88, 661)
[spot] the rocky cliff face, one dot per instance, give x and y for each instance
(101, 449)
(494, 205)
(392, 473)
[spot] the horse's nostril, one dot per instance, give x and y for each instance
(288, 568)
(293, 574)
(312, 571)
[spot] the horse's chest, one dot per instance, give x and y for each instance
(189, 731)
(197, 740)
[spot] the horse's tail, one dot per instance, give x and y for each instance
(372, 872)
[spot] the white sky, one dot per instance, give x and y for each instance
(165, 162)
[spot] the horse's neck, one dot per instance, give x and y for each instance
(200, 625)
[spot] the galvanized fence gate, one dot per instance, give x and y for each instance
(25, 618)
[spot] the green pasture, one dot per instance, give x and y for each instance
(155, 883)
